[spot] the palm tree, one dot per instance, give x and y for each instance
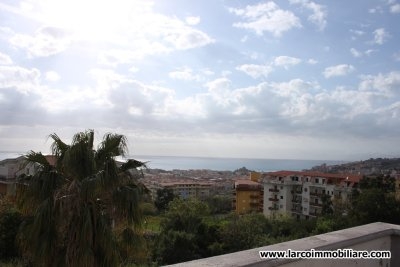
(78, 203)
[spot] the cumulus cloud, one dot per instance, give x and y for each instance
(319, 13)
(52, 76)
(388, 84)
(355, 52)
(312, 61)
(192, 20)
(266, 17)
(395, 8)
(380, 36)
(46, 41)
(185, 74)
(286, 61)
(338, 70)
(19, 78)
(5, 59)
(255, 71)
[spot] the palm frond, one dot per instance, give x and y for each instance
(113, 145)
(58, 147)
(37, 158)
(132, 164)
(126, 201)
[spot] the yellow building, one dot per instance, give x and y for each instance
(248, 196)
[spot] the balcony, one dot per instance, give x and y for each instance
(273, 190)
(374, 236)
(319, 205)
(273, 208)
(296, 200)
(273, 199)
(315, 194)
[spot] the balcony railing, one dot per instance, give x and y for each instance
(273, 199)
(382, 236)
(273, 190)
(273, 208)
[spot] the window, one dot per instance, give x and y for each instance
(316, 180)
(281, 206)
(281, 197)
(281, 187)
(305, 189)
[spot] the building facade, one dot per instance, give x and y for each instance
(186, 190)
(248, 196)
(300, 194)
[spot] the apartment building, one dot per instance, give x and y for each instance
(248, 195)
(300, 194)
(186, 189)
(10, 169)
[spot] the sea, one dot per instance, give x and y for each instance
(231, 164)
(219, 164)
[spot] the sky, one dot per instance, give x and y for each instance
(296, 79)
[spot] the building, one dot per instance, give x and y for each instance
(10, 169)
(300, 194)
(185, 189)
(248, 195)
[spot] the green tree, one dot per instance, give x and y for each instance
(184, 233)
(164, 197)
(245, 232)
(375, 201)
(219, 204)
(76, 204)
(10, 220)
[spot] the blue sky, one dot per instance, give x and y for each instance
(296, 79)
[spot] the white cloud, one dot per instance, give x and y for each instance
(386, 83)
(132, 30)
(312, 61)
(52, 76)
(355, 52)
(319, 13)
(286, 62)
(395, 8)
(45, 42)
(192, 20)
(380, 36)
(19, 78)
(185, 74)
(187, 38)
(5, 59)
(370, 51)
(255, 71)
(338, 70)
(266, 17)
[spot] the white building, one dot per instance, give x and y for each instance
(299, 194)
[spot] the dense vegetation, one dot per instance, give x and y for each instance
(88, 210)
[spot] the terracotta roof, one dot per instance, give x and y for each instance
(245, 182)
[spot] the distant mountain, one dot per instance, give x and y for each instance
(366, 167)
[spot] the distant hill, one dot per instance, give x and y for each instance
(366, 167)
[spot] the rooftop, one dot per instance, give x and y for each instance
(342, 176)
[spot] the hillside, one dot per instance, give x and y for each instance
(366, 167)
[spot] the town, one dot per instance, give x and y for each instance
(299, 194)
